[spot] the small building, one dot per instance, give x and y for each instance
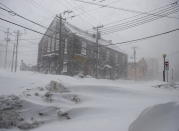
(137, 71)
(66, 49)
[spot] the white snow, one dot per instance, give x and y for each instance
(104, 104)
(162, 117)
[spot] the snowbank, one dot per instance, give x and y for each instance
(161, 117)
(15, 112)
(25, 113)
(92, 104)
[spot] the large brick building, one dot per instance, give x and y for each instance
(76, 53)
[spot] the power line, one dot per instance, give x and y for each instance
(25, 27)
(92, 10)
(123, 9)
(29, 29)
(130, 41)
(79, 15)
(127, 27)
(128, 18)
(16, 14)
(144, 38)
(139, 21)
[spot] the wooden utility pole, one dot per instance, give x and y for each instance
(13, 54)
(172, 74)
(16, 48)
(97, 46)
(135, 68)
(7, 39)
(60, 45)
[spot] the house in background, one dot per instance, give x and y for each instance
(66, 49)
(137, 71)
(146, 69)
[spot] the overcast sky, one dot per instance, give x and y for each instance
(88, 16)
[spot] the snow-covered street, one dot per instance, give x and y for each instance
(91, 104)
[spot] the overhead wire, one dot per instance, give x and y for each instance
(16, 14)
(118, 8)
(30, 29)
(127, 27)
(128, 18)
(144, 38)
(98, 8)
(141, 20)
(130, 41)
(80, 17)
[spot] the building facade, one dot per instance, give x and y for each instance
(66, 49)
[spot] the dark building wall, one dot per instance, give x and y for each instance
(76, 55)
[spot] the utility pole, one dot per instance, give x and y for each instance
(97, 45)
(16, 48)
(172, 74)
(135, 70)
(7, 39)
(12, 63)
(60, 45)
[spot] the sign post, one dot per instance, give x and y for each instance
(164, 56)
(167, 68)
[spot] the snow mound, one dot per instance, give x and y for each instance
(162, 117)
(54, 92)
(55, 86)
(168, 85)
(16, 112)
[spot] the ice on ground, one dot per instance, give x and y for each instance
(161, 117)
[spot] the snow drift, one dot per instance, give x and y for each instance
(25, 113)
(161, 117)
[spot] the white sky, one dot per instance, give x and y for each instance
(43, 11)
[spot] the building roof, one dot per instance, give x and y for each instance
(88, 36)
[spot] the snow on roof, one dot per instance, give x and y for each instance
(108, 66)
(88, 36)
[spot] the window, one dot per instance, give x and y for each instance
(53, 43)
(66, 44)
(116, 58)
(83, 46)
(49, 44)
(57, 44)
(64, 67)
(107, 55)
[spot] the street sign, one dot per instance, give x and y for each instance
(166, 65)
